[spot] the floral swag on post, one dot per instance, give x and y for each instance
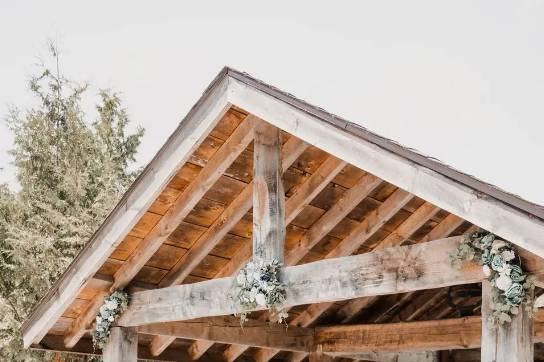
(510, 284)
(258, 284)
(114, 304)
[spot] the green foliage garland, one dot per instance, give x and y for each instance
(259, 284)
(114, 304)
(511, 285)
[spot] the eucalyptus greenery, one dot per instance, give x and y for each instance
(511, 286)
(259, 284)
(114, 304)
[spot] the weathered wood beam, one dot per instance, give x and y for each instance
(319, 356)
(347, 202)
(84, 347)
(268, 195)
(389, 271)
(186, 138)
(293, 206)
(514, 341)
(216, 166)
(350, 244)
(228, 330)
(321, 227)
(445, 334)
(351, 309)
(291, 150)
(122, 345)
(419, 180)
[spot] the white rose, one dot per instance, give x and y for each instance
(503, 282)
(497, 244)
(260, 299)
(111, 304)
(486, 270)
(241, 279)
(508, 255)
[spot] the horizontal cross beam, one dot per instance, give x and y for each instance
(339, 341)
(388, 271)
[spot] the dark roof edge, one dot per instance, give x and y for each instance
(472, 182)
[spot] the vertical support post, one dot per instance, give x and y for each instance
(122, 345)
(319, 356)
(510, 342)
(268, 194)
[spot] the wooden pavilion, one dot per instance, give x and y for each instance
(363, 226)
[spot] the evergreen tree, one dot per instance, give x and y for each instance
(71, 172)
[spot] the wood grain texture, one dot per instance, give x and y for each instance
(418, 180)
(122, 345)
(215, 167)
(268, 195)
(392, 270)
(291, 150)
(185, 139)
(514, 341)
(228, 330)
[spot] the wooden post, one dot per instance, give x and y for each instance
(320, 357)
(268, 194)
(512, 341)
(122, 345)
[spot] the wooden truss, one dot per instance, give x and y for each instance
(347, 273)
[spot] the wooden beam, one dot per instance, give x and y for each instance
(321, 227)
(122, 345)
(84, 347)
(401, 337)
(513, 341)
(292, 149)
(349, 200)
(216, 166)
(435, 335)
(351, 309)
(389, 271)
(302, 197)
(268, 195)
(351, 243)
(442, 191)
(190, 133)
(320, 357)
(228, 330)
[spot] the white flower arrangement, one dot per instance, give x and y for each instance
(259, 284)
(114, 304)
(511, 285)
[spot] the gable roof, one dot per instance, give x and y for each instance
(505, 214)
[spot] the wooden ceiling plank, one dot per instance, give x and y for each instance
(216, 166)
(349, 200)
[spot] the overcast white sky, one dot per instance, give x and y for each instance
(462, 81)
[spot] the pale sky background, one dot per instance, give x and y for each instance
(462, 81)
